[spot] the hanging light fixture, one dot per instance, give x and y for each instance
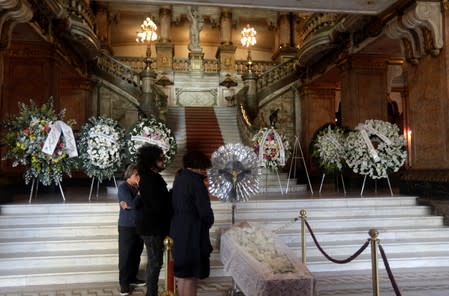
(147, 35)
(248, 39)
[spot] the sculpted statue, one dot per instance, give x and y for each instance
(274, 118)
(196, 24)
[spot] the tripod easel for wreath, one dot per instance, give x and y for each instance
(295, 157)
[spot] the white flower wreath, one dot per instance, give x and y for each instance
(272, 148)
(101, 147)
(328, 148)
(375, 148)
(155, 132)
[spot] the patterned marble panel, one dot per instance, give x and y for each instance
(196, 97)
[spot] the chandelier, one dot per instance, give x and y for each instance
(248, 39)
(147, 34)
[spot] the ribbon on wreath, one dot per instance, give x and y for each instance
(148, 140)
(364, 130)
(56, 129)
(108, 138)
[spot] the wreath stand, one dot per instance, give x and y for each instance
(295, 157)
(33, 190)
(375, 185)
(279, 181)
(342, 183)
(98, 186)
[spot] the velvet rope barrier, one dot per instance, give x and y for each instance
(389, 272)
(349, 259)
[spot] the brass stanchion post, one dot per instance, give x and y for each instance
(373, 233)
(303, 215)
(168, 243)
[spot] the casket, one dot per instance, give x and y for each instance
(262, 265)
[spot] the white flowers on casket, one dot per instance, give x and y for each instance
(328, 148)
(151, 131)
(271, 148)
(262, 247)
(101, 147)
(375, 148)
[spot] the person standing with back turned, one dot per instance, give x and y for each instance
(192, 219)
(153, 211)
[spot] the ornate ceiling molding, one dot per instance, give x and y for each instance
(12, 12)
(420, 30)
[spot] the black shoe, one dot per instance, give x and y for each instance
(124, 291)
(137, 283)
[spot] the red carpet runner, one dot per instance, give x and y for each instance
(202, 129)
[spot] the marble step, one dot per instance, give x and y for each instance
(291, 201)
(380, 217)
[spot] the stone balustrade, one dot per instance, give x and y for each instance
(81, 10)
(316, 22)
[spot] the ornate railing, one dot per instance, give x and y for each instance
(182, 65)
(275, 74)
(136, 63)
(81, 10)
(118, 70)
(258, 67)
(316, 22)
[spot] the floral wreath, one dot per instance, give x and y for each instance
(101, 147)
(272, 148)
(26, 135)
(375, 149)
(151, 131)
(328, 148)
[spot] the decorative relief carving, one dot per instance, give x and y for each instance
(420, 30)
(12, 11)
(196, 97)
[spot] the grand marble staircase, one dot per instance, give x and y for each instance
(71, 243)
(227, 126)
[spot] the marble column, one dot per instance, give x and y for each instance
(164, 46)
(226, 51)
(364, 91)
(286, 47)
(226, 27)
(148, 101)
(165, 14)
(317, 105)
(102, 20)
(252, 107)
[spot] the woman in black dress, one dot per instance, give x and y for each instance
(191, 221)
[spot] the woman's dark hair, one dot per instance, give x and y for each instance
(196, 160)
(147, 156)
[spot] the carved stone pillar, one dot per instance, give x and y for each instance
(317, 108)
(148, 102)
(196, 62)
(252, 107)
(364, 89)
(165, 52)
(226, 56)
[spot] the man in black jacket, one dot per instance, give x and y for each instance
(153, 211)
